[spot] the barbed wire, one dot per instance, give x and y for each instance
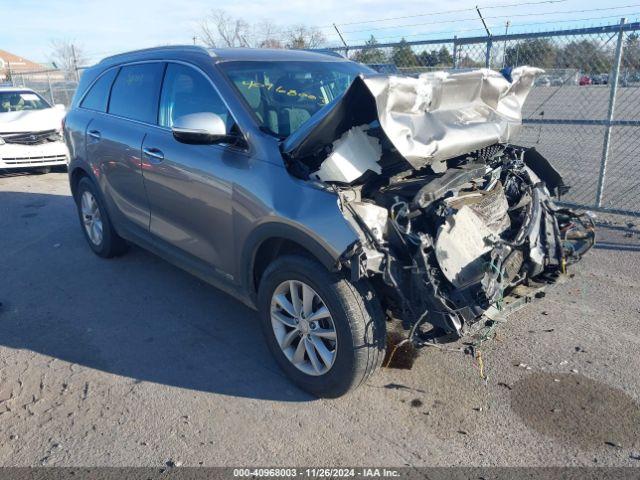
(457, 20)
(94, 56)
(445, 12)
(512, 26)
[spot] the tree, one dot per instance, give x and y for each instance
(433, 58)
(585, 55)
(428, 58)
(219, 29)
(444, 57)
(402, 55)
(371, 54)
(300, 37)
(67, 56)
(537, 52)
(267, 35)
(631, 58)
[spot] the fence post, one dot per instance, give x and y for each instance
(455, 52)
(53, 101)
(487, 60)
(75, 63)
(613, 90)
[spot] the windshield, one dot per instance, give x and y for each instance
(284, 95)
(17, 101)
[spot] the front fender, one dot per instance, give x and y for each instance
(277, 230)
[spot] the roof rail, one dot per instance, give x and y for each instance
(162, 48)
(326, 51)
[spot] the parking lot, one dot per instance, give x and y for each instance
(576, 149)
(132, 361)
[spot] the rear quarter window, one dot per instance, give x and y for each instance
(135, 92)
(98, 95)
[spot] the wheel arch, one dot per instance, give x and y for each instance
(75, 175)
(269, 242)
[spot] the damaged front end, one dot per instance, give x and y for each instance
(453, 246)
(454, 222)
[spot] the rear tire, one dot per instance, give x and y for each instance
(95, 222)
(355, 314)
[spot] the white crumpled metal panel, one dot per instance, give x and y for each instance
(442, 115)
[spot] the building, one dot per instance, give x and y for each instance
(12, 65)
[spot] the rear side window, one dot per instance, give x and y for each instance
(98, 95)
(135, 92)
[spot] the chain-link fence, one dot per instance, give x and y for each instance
(583, 113)
(56, 86)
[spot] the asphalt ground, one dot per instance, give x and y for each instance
(133, 362)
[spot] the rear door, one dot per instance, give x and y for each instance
(190, 186)
(114, 141)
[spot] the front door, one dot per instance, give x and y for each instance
(190, 186)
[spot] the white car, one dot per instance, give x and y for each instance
(30, 131)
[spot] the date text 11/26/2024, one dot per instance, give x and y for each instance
(316, 472)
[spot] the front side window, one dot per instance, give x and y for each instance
(97, 98)
(17, 101)
(283, 95)
(186, 91)
(135, 92)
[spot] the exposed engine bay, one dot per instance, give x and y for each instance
(452, 218)
(444, 248)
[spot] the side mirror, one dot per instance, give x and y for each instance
(200, 128)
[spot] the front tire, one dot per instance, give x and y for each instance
(326, 333)
(95, 222)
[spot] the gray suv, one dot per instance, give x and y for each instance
(274, 176)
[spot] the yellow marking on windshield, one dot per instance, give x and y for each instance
(283, 91)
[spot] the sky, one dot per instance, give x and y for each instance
(106, 27)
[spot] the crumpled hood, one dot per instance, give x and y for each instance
(428, 119)
(31, 120)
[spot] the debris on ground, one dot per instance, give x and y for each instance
(397, 386)
(546, 330)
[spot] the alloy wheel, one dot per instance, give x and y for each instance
(91, 217)
(303, 327)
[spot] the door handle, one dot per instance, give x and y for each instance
(155, 155)
(95, 134)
